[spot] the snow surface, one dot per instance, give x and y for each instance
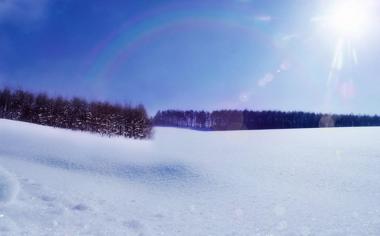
(276, 182)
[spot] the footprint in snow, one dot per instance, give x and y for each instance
(47, 198)
(80, 207)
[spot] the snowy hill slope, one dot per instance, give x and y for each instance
(277, 182)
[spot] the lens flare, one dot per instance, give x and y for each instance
(348, 23)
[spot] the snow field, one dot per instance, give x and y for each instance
(183, 182)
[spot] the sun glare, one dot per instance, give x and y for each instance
(349, 18)
(348, 22)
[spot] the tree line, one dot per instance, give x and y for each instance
(250, 120)
(76, 114)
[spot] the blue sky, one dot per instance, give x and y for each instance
(199, 55)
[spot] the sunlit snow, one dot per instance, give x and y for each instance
(184, 182)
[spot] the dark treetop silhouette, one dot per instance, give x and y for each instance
(75, 114)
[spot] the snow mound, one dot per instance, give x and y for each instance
(9, 187)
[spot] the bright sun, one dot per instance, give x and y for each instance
(349, 18)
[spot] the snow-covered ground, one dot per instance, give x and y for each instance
(277, 182)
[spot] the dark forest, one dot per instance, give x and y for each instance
(252, 120)
(76, 114)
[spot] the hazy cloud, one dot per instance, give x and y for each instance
(22, 10)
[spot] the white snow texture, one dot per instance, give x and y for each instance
(183, 182)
